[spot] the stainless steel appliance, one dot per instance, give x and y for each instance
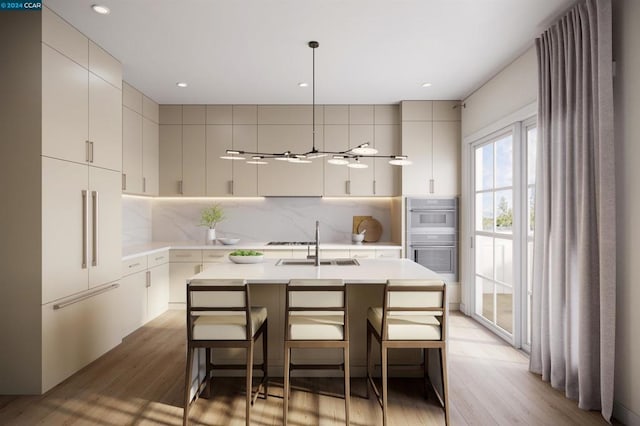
(432, 234)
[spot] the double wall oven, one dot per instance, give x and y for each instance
(432, 234)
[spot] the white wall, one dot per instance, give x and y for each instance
(626, 50)
(511, 89)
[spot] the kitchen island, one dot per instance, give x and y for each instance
(365, 287)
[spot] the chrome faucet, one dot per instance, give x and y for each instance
(317, 263)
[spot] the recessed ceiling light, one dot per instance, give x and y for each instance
(303, 84)
(102, 10)
(426, 84)
(181, 84)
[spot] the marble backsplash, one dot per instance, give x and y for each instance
(266, 219)
(136, 220)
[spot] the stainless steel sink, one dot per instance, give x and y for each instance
(323, 262)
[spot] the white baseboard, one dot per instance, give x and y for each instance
(624, 415)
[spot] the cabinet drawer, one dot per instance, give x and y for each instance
(388, 254)
(185, 256)
(215, 256)
(158, 258)
(362, 254)
(136, 264)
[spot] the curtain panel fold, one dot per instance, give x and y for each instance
(574, 275)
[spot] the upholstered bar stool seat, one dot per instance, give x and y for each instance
(413, 315)
(316, 316)
(220, 315)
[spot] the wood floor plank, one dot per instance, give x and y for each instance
(140, 382)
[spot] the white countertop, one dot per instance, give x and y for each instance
(370, 271)
(149, 248)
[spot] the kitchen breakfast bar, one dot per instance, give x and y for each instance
(365, 287)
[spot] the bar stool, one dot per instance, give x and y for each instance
(316, 316)
(413, 315)
(220, 315)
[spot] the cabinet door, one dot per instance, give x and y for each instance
(245, 176)
(417, 144)
(446, 157)
(64, 107)
(170, 159)
(387, 176)
(179, 273)
(105, 232)
(362, 254)
(193, 160)
(336, 177)
(132, 151)
(105, 124)
(219, 171)
(65, 262)
(158, 291)
(283, 178)
(79, 333)
(150, 157)
(133, 305)
(361, 179)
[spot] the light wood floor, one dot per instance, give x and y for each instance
(140, 382)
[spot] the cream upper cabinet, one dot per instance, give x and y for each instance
(219, 170)
(140, 143)
(170, 159)
(361, 179)
(150, 156)
(81, 110)
(283, 178)
(387, 140)
(446, 158)
(64, 38)
(245, 176)
(131, 151)
(431, 139)
(105, 124)
(336, 177)
(193, 160)
(417, 145)
(65, 114)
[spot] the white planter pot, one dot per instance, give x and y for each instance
(211, 236)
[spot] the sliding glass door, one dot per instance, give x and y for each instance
(503, 190)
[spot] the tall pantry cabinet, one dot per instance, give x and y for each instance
(62, 160)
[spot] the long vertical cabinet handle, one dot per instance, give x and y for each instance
(231, 187)
(85, 227)
(87, 152)
(180, 187)
(431, 186)
(148, 278)
(144, 184)
(124, 181)
(348, 187)
(94, 246)
(374, 187)
(91, 145)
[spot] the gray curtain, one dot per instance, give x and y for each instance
(574, 275)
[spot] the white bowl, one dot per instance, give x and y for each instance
(246, 259)
(357, 238)
(229, 241)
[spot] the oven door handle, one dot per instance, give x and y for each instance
(431, 210)
(425, 247)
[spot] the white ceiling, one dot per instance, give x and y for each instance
(255, 51)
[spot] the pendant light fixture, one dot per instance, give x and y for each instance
(364, 150)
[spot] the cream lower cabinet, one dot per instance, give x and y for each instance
(158, 291)
(179, 273)
(133, 308)
(81, 243)
(74, 333)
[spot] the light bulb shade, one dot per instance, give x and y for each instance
(364, 151)
(232, 157)
(357, 165)
(400, 162)
(257, 162)
(299, 160)
(282, 158)
(338, 161)
(316, 155)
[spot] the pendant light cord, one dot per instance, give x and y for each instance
(313, 94)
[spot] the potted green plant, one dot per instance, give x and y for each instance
(210, 217)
